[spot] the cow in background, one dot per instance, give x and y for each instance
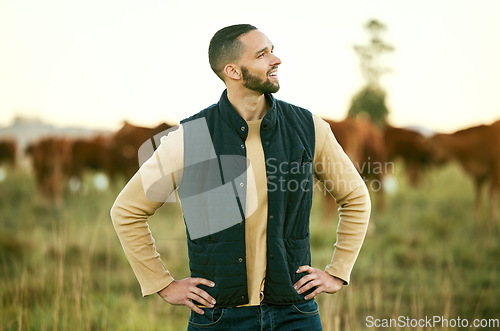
(124, 146)
(8, 152)
(51, 163)
(411, 147)
(90, 154)
(56, 160)
(477, 150)
(364, 145)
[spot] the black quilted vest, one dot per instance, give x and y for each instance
(212, 195)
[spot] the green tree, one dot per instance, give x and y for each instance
(370, 100)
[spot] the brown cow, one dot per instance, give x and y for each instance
(124, 147)
(55, 160)
(51, 162)
(411, 147)
(364, 145)
(8, 152)
(90, 154)
(477, 150)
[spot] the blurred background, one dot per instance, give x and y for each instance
(410, 90)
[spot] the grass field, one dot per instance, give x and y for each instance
(64, 269)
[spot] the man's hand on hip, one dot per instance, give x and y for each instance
(323, 282)
(181, 292)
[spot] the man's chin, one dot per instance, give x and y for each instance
(266, 87)
(273, 87)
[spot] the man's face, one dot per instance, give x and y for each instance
(259, 66)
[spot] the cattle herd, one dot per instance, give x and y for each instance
(56, 160)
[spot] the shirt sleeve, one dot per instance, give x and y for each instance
(147, 191)
(340, 178)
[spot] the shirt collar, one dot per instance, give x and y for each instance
(237, 123)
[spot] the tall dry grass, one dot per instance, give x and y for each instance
(64, 269)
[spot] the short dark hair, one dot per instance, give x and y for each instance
(225, 47)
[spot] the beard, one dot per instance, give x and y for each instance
(255, 83)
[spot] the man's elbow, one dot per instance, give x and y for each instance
(366, 204)
(367, 200)
(116, 214)
(358, 202)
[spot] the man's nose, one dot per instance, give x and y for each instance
(276, 60)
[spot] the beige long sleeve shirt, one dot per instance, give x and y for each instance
(133, 207)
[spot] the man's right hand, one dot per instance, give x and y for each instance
(181, 292)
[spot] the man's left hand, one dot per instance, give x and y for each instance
(323, 282)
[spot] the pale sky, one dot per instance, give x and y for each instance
(96, 63)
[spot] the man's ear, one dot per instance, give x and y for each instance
(232, 71)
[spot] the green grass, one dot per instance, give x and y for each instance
(425, 255)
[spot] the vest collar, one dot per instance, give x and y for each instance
(237, 123)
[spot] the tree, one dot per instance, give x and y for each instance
(370, 100)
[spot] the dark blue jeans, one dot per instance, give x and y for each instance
(299, 316)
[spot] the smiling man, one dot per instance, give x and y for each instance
(243, 169)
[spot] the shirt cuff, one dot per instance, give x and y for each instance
(155, 288)
(337, 273)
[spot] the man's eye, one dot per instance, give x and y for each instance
(261, 55)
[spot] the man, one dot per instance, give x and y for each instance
(247, 222)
